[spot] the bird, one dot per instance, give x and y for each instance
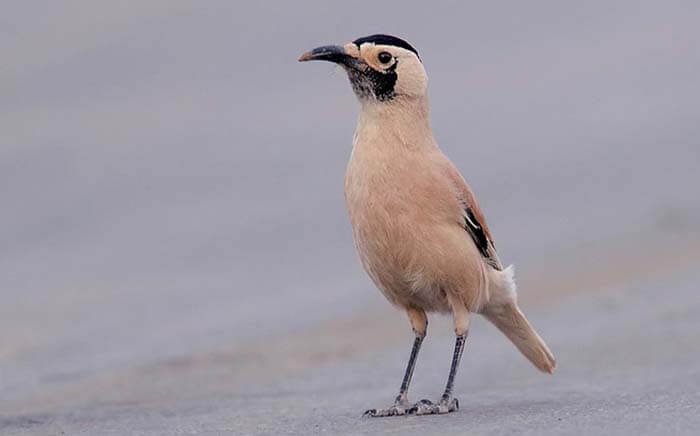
(416, 223)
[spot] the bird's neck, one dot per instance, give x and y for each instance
(402, 122)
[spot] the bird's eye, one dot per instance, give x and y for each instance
(384, 57)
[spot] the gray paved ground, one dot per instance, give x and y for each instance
(174, 252)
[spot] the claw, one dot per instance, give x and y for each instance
(422, 404)
(427, 407)
(395, 410)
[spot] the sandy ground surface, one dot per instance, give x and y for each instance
(175, 256)
(627, 355)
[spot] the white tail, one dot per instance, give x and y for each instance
(504, 313)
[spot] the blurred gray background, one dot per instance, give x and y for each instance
(175, 256)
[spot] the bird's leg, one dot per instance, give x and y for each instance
(419, 322)
(401, 406)
(447, 403)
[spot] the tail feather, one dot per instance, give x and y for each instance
(511, 321)
(502, 310)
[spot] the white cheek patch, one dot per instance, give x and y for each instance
(412, 79)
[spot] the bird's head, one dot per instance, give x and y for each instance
(381, 68)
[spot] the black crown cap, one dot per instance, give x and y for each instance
(382, 39)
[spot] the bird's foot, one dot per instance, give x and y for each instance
(427, 407)
(400, 407)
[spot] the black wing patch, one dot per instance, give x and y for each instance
(472, 225)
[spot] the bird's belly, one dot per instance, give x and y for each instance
(407, 232)
(393, 250)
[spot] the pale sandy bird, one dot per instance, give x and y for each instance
(417, 226)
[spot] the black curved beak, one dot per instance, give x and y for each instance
(331, 53)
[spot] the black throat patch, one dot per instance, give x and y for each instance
(373, 83)
(370, 83)
(384, 84)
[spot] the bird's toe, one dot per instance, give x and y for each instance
(395, 410)
(427, 407)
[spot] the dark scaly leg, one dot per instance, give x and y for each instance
(447, 403)
(401, 406)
